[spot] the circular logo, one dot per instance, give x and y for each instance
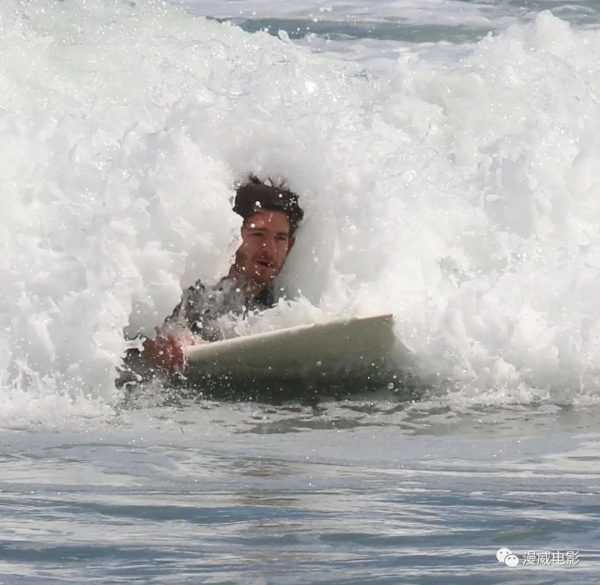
(511, 560)
(502, 553)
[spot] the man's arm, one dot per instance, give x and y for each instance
(165, 353)
(167, 350)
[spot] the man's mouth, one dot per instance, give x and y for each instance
(265, 263)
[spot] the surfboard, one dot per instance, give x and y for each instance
(320, 351)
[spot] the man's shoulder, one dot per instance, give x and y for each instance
(199, 290)
(201, 295)
(223, 284)
(197, 286)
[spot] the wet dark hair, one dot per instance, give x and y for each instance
(255, 195)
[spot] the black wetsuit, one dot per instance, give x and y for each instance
(198, 311)
(201, 306)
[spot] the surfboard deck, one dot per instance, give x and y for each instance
(321, 351)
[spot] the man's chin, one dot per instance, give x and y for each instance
(264, 276)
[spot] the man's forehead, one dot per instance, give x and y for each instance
(269, 219)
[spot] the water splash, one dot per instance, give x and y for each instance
(460, 194)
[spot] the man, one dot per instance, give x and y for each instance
(271, 215)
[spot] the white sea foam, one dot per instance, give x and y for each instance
(461, 194)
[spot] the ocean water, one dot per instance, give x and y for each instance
(446, 154)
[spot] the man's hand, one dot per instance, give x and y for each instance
(168, 352)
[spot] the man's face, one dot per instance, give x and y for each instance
(266, 242)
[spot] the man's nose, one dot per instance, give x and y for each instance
(269, 244)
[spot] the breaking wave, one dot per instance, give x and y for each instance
(460, 193)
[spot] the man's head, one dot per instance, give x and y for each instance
(271, 216)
